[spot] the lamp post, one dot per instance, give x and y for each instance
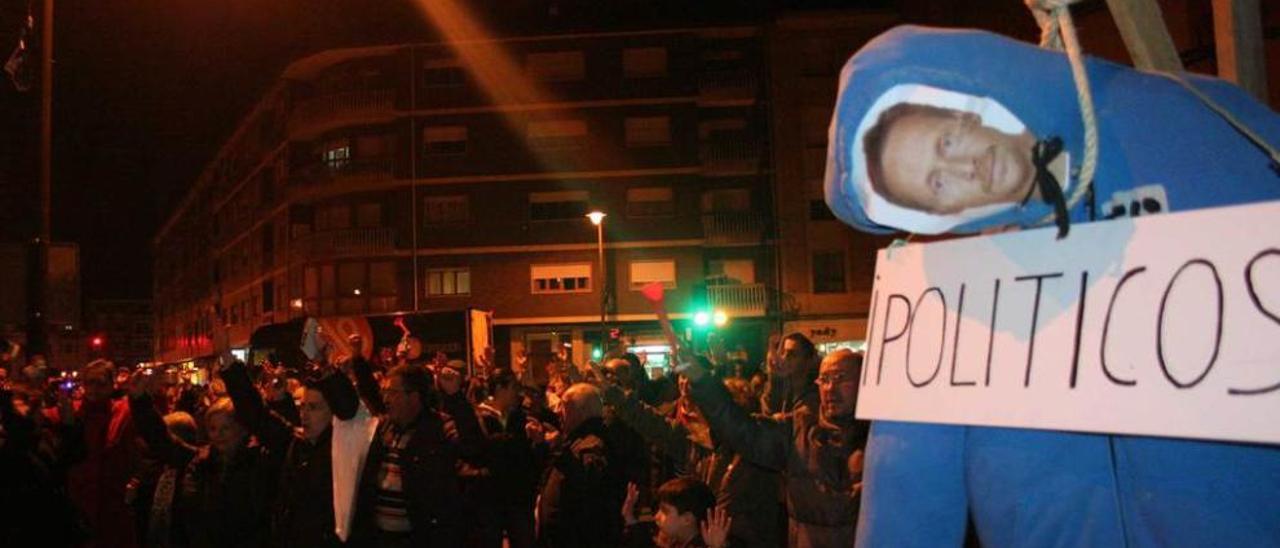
(597, 218)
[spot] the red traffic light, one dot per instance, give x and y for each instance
(96, 341)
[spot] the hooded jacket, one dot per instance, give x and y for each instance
(1160, 150)
(1156, 140)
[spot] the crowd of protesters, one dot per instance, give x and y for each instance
(408, 451)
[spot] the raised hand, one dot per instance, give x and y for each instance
(629, 505)
(449, 380)
(715, 529)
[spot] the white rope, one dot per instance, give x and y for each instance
(1058, 32)
(1231, 119)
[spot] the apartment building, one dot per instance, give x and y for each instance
(827, 268)
(440, 176)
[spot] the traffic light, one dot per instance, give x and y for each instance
(96, 342)
(597, 353)
(719, 318)
(701, 318)
(705, 318)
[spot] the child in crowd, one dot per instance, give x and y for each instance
(687, 517)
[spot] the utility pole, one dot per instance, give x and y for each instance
(38, 256)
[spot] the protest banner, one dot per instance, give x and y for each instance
(1167, 325)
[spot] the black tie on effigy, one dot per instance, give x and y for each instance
(1042, 154)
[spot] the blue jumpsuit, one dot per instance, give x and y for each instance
(1161, 150)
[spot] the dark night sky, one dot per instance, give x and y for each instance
(146, 91)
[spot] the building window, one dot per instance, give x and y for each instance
(442, 73)
(731, 271)
(726, 200)
(556, 65)
(649, 271)
(647, 131)
(442, 282)
(650, 202)
(371, 147)
(555, 206)
(445, 209)
(268, 296)
(557, 134)
(818, 211)
(644, 62)
(444, 140)
(369, 215)
(828, 272)
(337, 154)
(333, 217)
(561, 278)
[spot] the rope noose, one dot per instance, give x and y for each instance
(1058, 32)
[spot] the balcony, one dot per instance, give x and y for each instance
(729, 157)
(328, 111)
(726, 88)
(732, 228)
(345, 170)
(347, 242)
(740, 300)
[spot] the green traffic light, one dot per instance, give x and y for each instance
(597, 353)
(701, 319)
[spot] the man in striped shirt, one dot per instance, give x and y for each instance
(409, 493)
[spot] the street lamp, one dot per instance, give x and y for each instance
(597, 218)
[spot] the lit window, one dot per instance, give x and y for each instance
(556, 65)
(556, 134)
(444, 140)
(561, 278)
(644, 62)
(337, 154)
(648, 131)
(650, 202)
(646, 272)
(448, 282)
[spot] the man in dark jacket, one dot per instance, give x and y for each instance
(792, 370)
(818, 451)
(303, 514)
(583, 486)
(409, 493)
(502, 488)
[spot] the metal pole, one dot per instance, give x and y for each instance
(38, 297)
(413, 172)
(604, 286)
(46, 120)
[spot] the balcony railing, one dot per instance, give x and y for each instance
(726, 85)
(337, 243)
(729, 155)
(739, 300)
(371, 169)
(732, 228)
(338, 108)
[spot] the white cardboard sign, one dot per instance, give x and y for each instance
(1166, 325)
